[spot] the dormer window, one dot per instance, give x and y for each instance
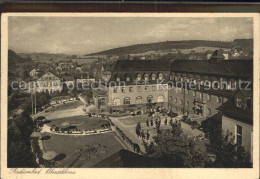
(146, 77)
(117, 79)
(139, 77)
(128, 78)
(153, 76)
(239, 102)
(160, 76)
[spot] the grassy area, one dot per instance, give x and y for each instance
(133, 119)
(67, 105)
(69, 145)
(82, 122)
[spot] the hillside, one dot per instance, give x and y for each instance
(43, 56)
(14, 59)
(142, 48)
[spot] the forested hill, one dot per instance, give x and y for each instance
(142, 48)
(13, 58)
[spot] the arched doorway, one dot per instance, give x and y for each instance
(116, 102)
(139, 100)
(160, 99)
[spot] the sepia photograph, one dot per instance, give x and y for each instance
(130, 91)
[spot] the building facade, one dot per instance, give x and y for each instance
(138, 84)
(200, 87)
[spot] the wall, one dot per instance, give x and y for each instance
(133, 95)
(230, 124)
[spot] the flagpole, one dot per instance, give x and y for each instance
(32, 100)
(35, 103)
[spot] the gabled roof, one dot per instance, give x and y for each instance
(51, 73)
(235, 68)
(229, 108)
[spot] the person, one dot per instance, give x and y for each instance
(142, 134)
(148, 135)
(165, 121)
(147, 122)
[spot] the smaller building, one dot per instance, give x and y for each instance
(100, 98)
(36, 72)
(78, 69)
(237, 118)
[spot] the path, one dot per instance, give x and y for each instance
(129, 132)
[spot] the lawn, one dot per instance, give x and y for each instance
(131, 120)
(82, 122)
(67, 105)
(71, 145)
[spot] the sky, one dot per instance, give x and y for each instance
(84, 35)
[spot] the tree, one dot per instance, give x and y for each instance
(23, 75)
(138, 129)
(173, 149)
(228, 153)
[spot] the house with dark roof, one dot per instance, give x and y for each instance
(237, 118)
(49, 82)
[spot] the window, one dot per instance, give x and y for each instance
(153, 76)
(139, 100)
(115, 89)
(175, 100)
(130, 89)
(201, 95)
(146, 77)
(194, 94)
(208, 111)
(116, 102)
(219, 99)
(127, 101)
(187, 104)
(160, 87)
(139, 88)
(146, 88)
(150, 99)
(102, 101)
(123, 89)
(128, 78)
(160, 76)
(181, 102)
(139, 77)
(160, 99)
(208, 97)
(239, 134)
(153, 88)
(239, 102)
